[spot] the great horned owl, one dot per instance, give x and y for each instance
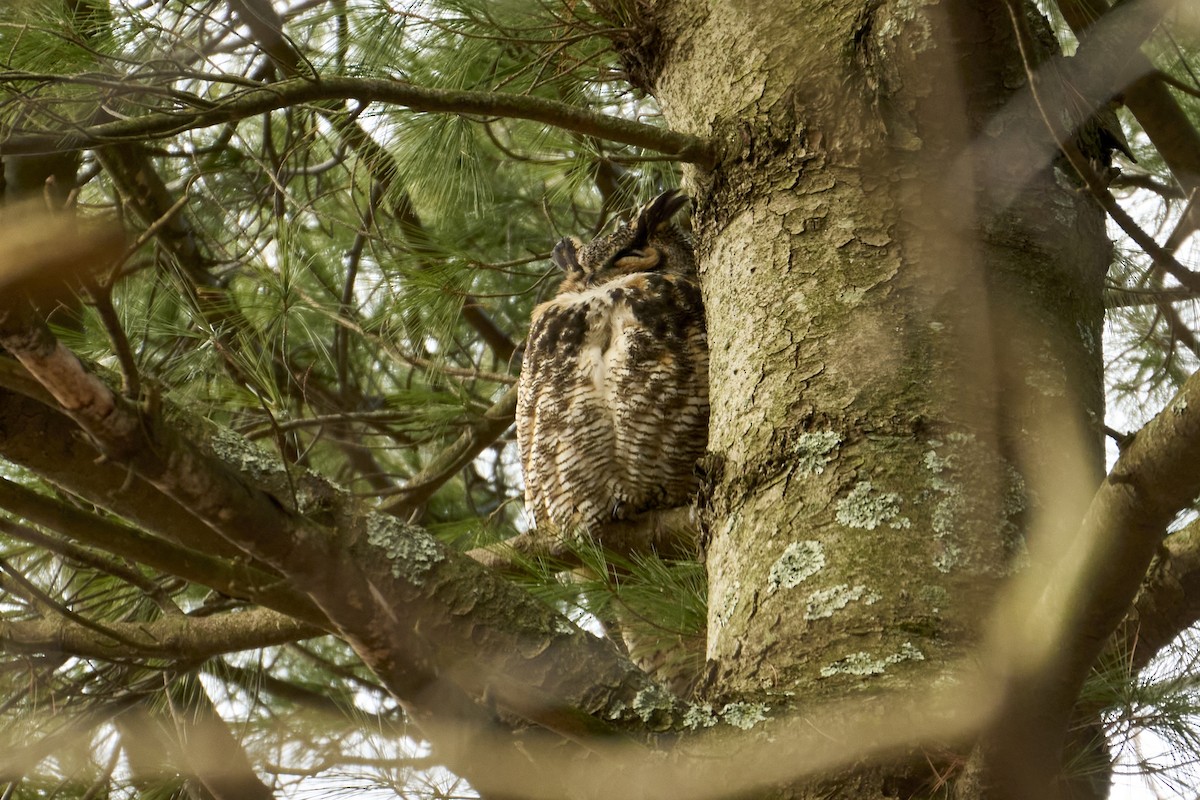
(612, 406)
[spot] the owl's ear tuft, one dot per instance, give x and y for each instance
(566, 255)
(658, 212)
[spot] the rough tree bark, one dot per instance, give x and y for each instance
(903, 286)
(901, 310)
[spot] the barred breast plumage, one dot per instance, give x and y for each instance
(612, 409)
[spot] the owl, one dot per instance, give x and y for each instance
(612, 404)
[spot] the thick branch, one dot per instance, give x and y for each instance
(259, 100)
(417, 613)
(429, 622)
(1168, 603)
(77, 467)
(668, 533)
(1089, 590)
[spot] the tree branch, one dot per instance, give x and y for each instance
(1088, 590)
(1048, 647)
(249, 102)
(208, 749)
(463, 451)
(430, 622)
(1168, 602)
(1168, 126)
(373, 577)
(266, 26)
(1105, 62)
(236, 579)
(668, 533)
(175, 637)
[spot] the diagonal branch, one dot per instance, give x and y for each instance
(412, 609)
(431, 623)
(1168, 602)
(1050, 651)
(236, 578)
(249, 102)
(1094, 584)
(1165, 123)
(463, 451)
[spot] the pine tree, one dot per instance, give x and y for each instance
(265, 271)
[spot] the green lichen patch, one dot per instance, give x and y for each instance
(651, 702)
(307, 492)
(824, 602)
(800, 561)
(811, 451)
(697, 717)
(744, 715)
(867, 508)
(247, 457)
(411, 551)
(864, 664)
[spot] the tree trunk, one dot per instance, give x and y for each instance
(904, 310)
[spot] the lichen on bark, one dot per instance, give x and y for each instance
(894, 318)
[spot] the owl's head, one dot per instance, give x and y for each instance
(650, 242)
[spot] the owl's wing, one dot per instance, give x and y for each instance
(564, 428)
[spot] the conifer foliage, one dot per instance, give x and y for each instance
(265, 273)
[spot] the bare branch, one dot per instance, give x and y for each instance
(1124, 296)
(1095, 581)
(1050, 650)
(175, 637)
(249, 102)
(669, 533)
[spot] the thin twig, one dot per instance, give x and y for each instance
(101, 296)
